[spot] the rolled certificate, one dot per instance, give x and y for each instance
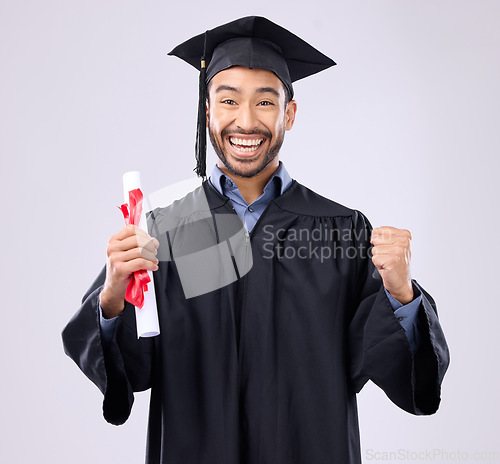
(147, 316)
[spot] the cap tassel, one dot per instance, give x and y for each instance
(201, 129)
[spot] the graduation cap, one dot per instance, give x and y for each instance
(252, 42)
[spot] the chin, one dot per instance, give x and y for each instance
(247, 168)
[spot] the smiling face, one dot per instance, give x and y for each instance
(247, 117)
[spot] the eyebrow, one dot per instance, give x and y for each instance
(228, 88)
(223, 88)
(269, 90)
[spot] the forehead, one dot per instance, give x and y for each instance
(246, 80)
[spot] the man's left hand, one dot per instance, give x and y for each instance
(391, 256)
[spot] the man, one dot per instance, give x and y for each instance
(262, 367)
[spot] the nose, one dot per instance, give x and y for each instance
(246, 118)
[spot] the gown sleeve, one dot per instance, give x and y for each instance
(378, 347)
(118, 367)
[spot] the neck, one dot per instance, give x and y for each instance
(251, 188)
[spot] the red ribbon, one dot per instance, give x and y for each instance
(139, 281)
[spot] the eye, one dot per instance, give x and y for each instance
(228, 101)
(266, 103)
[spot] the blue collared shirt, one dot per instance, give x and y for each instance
(250, 214)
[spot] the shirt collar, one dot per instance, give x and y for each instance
(221, 182)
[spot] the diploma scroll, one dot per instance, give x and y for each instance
(147, 316)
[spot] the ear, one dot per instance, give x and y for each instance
(207, 114)
(290, 112)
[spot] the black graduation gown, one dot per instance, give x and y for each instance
(265, 370)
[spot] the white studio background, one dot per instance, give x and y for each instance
(405, 129)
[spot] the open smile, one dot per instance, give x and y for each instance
(245, 146)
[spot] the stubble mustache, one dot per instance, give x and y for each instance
(225, 132)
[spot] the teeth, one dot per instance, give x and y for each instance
(246, 142)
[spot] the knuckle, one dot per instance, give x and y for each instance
(384, 235)
(404, 242)
(406, 233)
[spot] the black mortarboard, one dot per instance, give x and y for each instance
(252, 42)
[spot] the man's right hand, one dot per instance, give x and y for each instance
(128, 251)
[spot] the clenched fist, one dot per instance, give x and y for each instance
(128, 251)
(391, 256)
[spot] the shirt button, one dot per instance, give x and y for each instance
(250, 208)
(229, 183)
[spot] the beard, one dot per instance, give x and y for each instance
(267, 158)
